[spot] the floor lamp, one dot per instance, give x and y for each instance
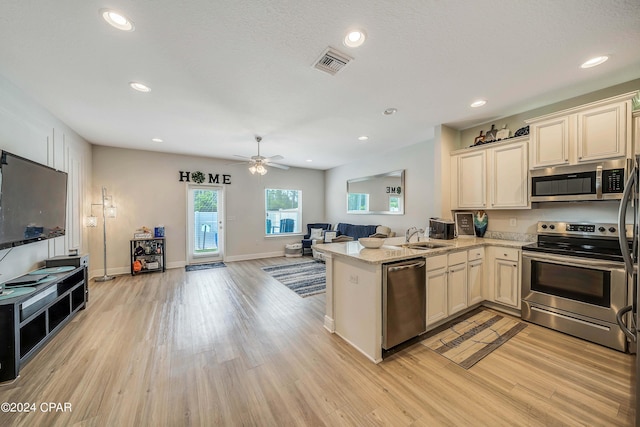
(108, 211)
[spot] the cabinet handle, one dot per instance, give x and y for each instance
(515, 265)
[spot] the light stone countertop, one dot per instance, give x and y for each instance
(392, 250)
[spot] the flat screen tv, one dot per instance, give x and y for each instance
(33, 201)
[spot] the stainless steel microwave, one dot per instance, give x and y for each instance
(592, 181)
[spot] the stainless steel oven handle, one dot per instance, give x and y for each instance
(628, 332)
(582, 262)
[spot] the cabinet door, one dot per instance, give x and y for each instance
(506, 282)
(508, 177)
(472, 180)
(550, 142)
(636, 131)
(436, 295)
(475, 282)
(457, 288)
(602, 133)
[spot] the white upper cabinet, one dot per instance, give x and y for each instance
(636, 130)
(589, 133)
(469, 176)
(550, 142)
(492, 176)
(508, 169)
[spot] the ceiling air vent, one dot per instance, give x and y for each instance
(332, 61)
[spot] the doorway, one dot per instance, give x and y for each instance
(205, 224)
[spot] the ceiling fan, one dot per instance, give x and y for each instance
(258, 164)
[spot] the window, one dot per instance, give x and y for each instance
(283, 211)
(358, 202)
(394, 203)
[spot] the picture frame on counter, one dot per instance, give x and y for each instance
(464, 225)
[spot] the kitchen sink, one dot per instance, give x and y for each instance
(425, 245)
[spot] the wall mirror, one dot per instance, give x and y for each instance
(376, 194)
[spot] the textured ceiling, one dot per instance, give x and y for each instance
(222, 71)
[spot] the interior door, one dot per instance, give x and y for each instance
(205, 224)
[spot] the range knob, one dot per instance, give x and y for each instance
(612, 229)
(552, 227)
(601, 229)
(544, 226)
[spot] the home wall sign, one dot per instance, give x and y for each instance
(394, 190)
(199, 178)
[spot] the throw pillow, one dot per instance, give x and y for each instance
(316, 233)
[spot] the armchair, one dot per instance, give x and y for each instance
(307, 240)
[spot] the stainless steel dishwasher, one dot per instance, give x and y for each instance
(403, 301)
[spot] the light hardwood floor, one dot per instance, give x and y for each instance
(232, 346)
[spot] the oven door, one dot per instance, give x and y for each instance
(584, 286)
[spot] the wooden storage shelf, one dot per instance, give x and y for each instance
(150, 253)
(29, 321)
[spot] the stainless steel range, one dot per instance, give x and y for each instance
(574, 281)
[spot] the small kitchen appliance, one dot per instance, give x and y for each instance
(591, 181)
(443, 229)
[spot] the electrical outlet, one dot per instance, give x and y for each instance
(513, 222)
(353, 279)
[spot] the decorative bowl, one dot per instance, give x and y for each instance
(371, 242)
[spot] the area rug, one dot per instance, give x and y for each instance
(469, 339)
(304, 278)
(207, 266)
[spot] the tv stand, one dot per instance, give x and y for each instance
(30, 320)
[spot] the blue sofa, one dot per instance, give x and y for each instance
(355, 231)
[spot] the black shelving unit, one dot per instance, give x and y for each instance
(150, 253)
(28, 322)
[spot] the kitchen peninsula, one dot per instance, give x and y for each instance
(460, 275)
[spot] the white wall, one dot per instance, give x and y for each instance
(421, 187)
(28, 130)
(146, 190)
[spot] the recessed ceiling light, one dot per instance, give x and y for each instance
(139, 87)
(478, 103)
(354, 38)
(309, 160)
(156, 140)
(117, 20)
(363, 138)
(594, 61)
(390, 111)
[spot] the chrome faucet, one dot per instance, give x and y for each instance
(409, 233)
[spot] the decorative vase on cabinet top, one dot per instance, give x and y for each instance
(491, 134)
(480, 222)
(503, 133)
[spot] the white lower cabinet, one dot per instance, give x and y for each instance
(475, 276)
(506, 276)
(456, 282)
(436, 289)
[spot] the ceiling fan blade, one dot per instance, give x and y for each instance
(272, 158)
(243, 157)
(276, 165)
(239, 163)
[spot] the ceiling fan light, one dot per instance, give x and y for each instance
(261, 169)
(252, 169)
